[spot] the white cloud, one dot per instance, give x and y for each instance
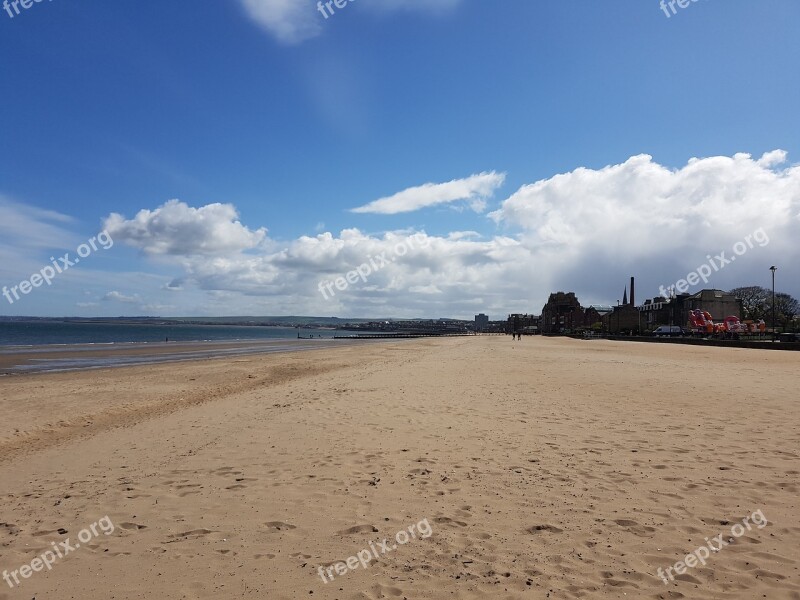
(178, 229)
(474, 189)
(424, 289)
(643, 218)
(115, 296)
(641, 209)
(28, 227)
(290, 21)
(29, 236)
(294, 21)
(585, 231)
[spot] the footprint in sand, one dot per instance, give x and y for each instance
(10, 528)
(610, 580)
(382, 591)
(195, 533)
(43, 533)
(420, 472)
(635, 528)
(359, 529)
(688, 578)
(763, 573)
(279, 526)
(134, 526)
(539, 528)
(448, 521)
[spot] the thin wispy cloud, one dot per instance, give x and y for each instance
(295, 21)
(475, 190)
(31, 227)
(289, 21)
(115, 296)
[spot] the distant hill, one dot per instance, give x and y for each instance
(388, 324)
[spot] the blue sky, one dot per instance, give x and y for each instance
(526, 147)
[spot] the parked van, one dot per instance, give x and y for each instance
(668, 330)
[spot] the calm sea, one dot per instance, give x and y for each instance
(36, 333)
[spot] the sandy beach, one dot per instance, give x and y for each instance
(546, 468)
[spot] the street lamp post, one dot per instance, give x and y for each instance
(773, 268)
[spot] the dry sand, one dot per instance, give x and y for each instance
(547, 468)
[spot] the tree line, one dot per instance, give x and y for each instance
(757, 304)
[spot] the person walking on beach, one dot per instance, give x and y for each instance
(515, 330)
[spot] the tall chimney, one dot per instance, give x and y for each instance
(633, 292)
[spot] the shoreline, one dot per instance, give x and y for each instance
(26, 360)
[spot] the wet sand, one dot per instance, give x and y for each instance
(16, 360)
(546, 468)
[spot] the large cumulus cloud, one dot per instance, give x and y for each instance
(180, 230)
(643, 218)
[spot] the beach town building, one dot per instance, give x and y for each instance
(675, 311)
(716, 302)
(593, 316)
(562, 313)
(625, 317)
(481, 322)
(660, 311)
(523, 323)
